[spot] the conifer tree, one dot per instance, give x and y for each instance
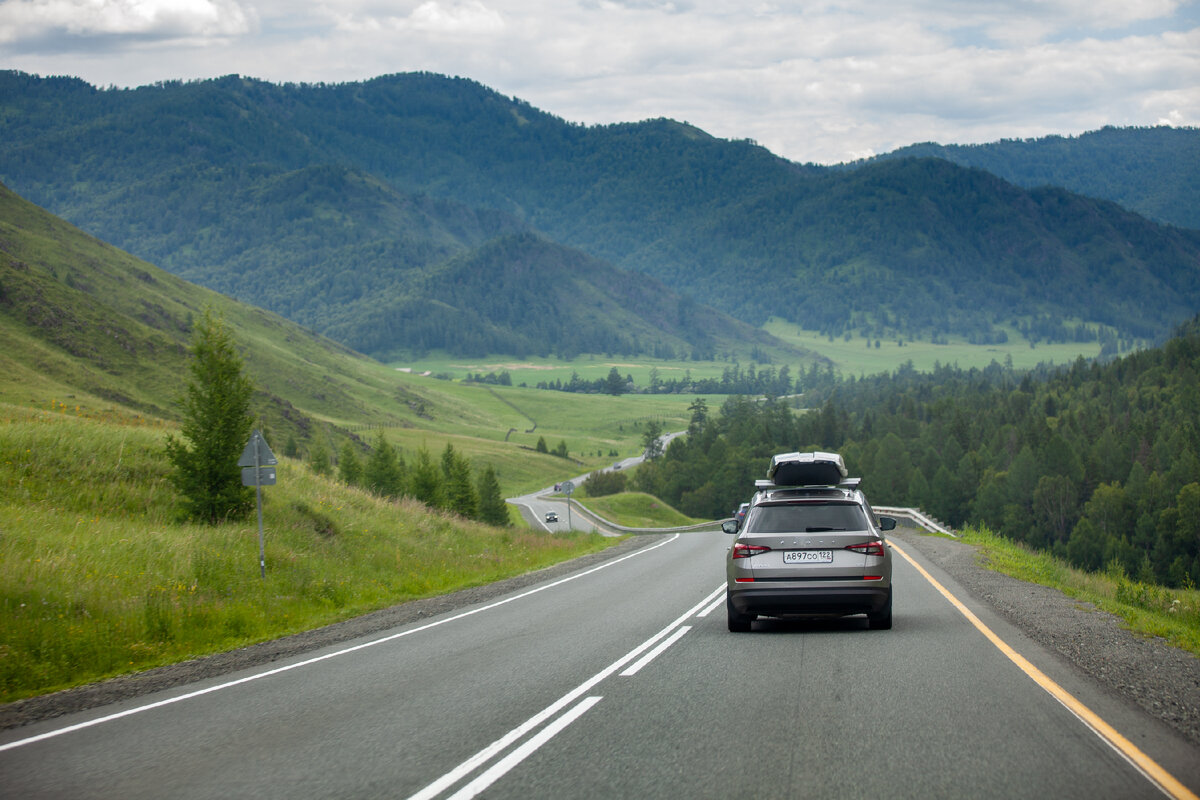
(349, 467)
(460, 493)
(492, 508)
(425, 481)
(216, 426)
(318, 460)
(383, 473)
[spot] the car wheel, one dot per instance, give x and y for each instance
(882, 621)
(738, 622)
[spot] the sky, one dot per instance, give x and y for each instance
(812, 81)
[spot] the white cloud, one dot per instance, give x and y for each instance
(437, 17)
(20, 19)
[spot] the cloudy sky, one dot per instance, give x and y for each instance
(812, 80)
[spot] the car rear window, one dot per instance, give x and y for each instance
(806, 518)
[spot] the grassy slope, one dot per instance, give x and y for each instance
(85, 324)
(98, 578)
(636, 510)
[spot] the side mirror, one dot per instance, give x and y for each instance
(730, 526)
(887, 523)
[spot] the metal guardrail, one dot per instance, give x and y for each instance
(917, 515)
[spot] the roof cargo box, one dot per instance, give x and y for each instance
(807, 469)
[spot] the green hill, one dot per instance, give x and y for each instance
(88, 327)
(83, 320)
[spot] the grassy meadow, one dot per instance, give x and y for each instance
(501, 426)
(859, 356)
(99, 578)
(532, 371)
(856, 356)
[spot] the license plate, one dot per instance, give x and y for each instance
(808, 556)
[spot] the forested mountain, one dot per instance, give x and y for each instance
(1153, 171)
(1093, 462)
(326, 193)
(524, 295)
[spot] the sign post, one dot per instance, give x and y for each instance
(568, 487)
(258, 470)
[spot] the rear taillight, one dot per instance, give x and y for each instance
(743, 550)
(868, 548)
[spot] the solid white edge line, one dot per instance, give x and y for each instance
(486, 754)
(656, 652)
(229, 684)
(502, 767)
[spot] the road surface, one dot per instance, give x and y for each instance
(621, 680)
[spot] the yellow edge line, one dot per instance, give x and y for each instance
(1148, 766)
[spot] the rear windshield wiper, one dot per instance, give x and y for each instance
(819, 529)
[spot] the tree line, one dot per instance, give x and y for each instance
(446, 483)
(1096, 463)
(734, 380)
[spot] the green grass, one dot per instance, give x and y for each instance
(859, 356)
(98, 578)
(636, 510)
(501, 426)
(532, 371)
(1147, 609)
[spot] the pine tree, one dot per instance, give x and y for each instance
(318, 460)
(349, 467)
(425, 481)
(492, 508)
(383, 474)
(651, 440)
(460, 494)
(217, 424)
(614, 384)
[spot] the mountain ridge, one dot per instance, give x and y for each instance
(1152, 171)
(725, 222)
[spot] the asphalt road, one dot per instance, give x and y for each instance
(621, 680)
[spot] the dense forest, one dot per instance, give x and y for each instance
(352, 207)
(1092, 462)
(1153, 171)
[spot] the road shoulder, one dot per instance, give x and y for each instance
(1162, 680)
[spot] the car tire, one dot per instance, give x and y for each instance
(738, 622)
(882, 621)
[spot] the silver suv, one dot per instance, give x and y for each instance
(809, 551)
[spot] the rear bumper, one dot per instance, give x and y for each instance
(809, 601)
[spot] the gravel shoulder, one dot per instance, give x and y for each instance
(1164, 681)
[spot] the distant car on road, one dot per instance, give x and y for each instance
(551, 516)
